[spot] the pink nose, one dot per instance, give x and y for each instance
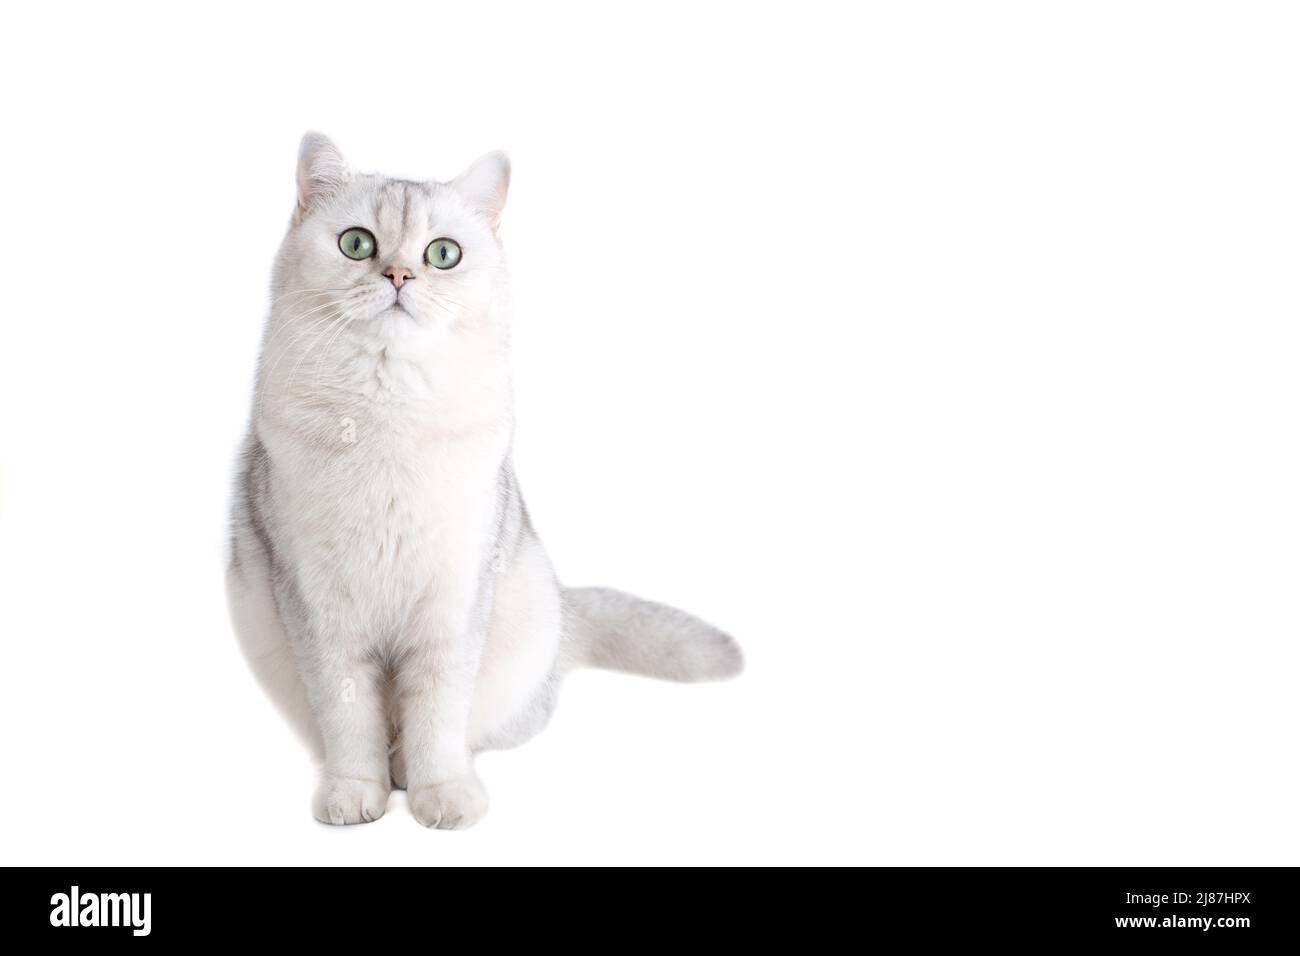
(398, 275)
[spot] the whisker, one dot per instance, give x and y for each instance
(301, 292)
(295, 320)
(322, 322)
(315, 382)
(339, 322)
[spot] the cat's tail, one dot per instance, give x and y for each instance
(610, 629)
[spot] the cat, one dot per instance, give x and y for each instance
(385, 582)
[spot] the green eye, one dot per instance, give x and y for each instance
(442, 253)
(357, 244)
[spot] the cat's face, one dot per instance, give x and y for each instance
(388, 252)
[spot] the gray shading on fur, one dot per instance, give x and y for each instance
(622, 632)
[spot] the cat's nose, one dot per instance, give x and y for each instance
(399, 275)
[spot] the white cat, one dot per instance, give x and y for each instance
(385, 581)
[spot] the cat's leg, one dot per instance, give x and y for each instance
(396, 759)
(435, 687)
(264, 642)
(346, 687)
(522, 662)
(397, 769)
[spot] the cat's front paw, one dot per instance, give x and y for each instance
(344, 800)
(453, 805)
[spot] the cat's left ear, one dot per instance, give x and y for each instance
(322, 171)
(485, 184)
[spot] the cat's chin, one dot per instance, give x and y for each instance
(395, 313)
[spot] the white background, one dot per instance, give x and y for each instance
(944, 353)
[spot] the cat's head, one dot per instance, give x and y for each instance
(390, 251)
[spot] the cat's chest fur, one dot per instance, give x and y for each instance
(386, 499)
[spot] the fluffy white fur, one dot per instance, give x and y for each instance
(385, 582)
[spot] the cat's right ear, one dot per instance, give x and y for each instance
(322, 171)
